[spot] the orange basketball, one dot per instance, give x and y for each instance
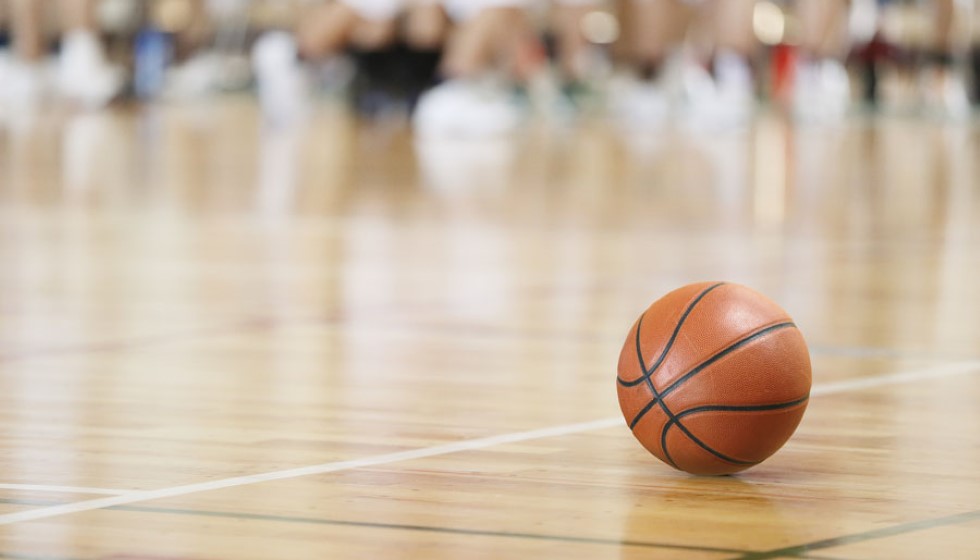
(713, 378)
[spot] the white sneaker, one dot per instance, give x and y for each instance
(946, 96)
(283, 83)
(83, 73)
(24, 84)
(466, 109)
(195, 78)
(639, 105)
(822, 91)
(727, 100)
(23, 90)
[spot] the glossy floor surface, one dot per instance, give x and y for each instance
(219, 340)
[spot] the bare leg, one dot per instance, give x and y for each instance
(372, 34)
(77, 15)
(490, 39)
(426, 26)
(493, 36)
(821, 88)
(824, 22)
(653, 28)
(487, 37)
(945, 37)
(28, 39)
(198, 31)
(948, 94)
(572, 44)
(325, 29)
(731, 25)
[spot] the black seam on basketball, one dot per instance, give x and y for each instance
(648, 374)
(663, 355)
(724, 352)
(639, 415)
(649, 382)
(663, 443)
(746, 408)
(726, 408)
(701, 444)
(705, 364)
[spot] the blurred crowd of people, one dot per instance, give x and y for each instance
(481, 67)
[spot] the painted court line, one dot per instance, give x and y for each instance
(924, 374)
(147, 495)
(64, 489)
(934, 372)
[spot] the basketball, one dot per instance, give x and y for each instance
(713, 378)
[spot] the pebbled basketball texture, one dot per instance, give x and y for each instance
(713, 378)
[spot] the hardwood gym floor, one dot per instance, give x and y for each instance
(220, 341)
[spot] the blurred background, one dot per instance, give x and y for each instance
(485, 67)
(735, 113)
(480, 122)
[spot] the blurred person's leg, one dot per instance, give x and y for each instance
(23, 75)
(731, 24)
(727, 96)
(574, 48)
(489, 36)
(424, 30)
(208, 49)
(583, 31)
(78, 16)
(946, 92)
(426, 25)
(84, 72)
(823, 26)
(973, 39)
(27, 30)
(4, 30)
(654, 29)
(392, 73)
(490, 49)
(199, 29)
(944, 41)
(326, 29)
(822, 88)
(323, 31)
(195, 70)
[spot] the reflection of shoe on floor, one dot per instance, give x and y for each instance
(465, 109)
(639, 104)
(822, 91)
(449, 166)
(84, 75)
(283, 84)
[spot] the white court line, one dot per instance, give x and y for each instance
(147, 495)
(935, 372)
(64, 489)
